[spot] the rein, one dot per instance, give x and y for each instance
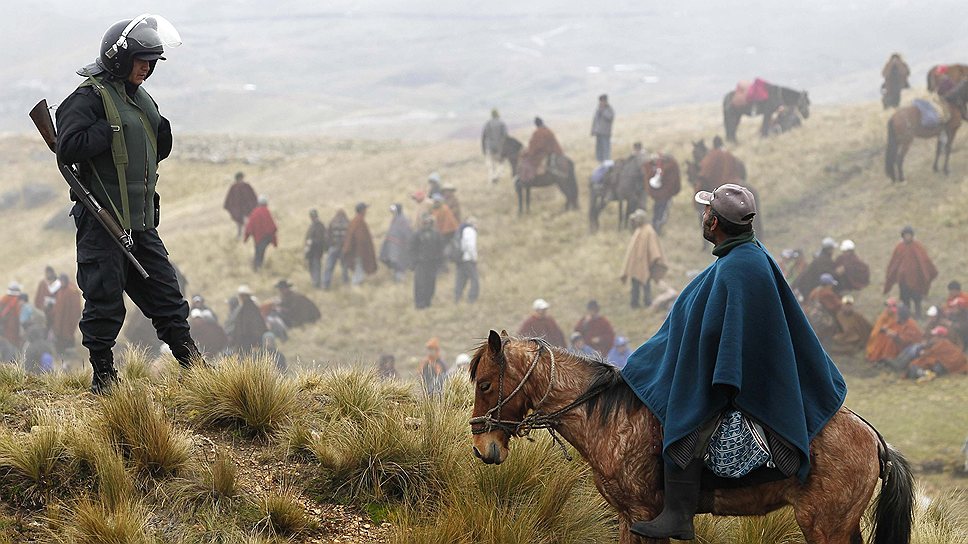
(535, 420)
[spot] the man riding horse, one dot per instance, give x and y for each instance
(735, 361)
(542, 145)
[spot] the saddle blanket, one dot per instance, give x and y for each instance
(932, 114)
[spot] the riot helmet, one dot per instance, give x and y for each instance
(144, 37)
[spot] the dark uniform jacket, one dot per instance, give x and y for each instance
(84, 137)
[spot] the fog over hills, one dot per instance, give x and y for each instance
(422, 69)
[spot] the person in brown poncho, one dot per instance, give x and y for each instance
(911, 269)
(894, 331)
(854, 331)
(65, 314)
(239, 202)
(359, 254)
(940, 356)
(851, 272)
(542, 145)
(541, 325)
(644, 260)
(822, 306)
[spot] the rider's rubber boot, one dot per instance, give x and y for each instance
(681, 501)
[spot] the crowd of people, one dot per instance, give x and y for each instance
(44, 329)
(896, 340)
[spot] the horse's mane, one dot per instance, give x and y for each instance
(789, 96)
(614, 392)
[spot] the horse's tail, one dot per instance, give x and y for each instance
(895, 504)
(890, 156)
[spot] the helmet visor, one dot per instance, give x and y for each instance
(151, 31)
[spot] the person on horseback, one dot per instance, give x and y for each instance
(542, 145)
(736, 361)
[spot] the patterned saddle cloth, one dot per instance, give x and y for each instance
(933, 113)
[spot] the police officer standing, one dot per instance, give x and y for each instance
(111, 128)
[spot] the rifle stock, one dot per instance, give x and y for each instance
(40, 115)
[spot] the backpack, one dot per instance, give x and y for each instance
(453, 251)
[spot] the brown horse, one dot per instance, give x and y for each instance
(623, 182)
(905, 125)
(525, 384)
(957, 73)
(778, 96)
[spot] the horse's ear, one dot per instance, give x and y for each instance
(494, 343)
(504, 333)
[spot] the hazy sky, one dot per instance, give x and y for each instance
(334, 67)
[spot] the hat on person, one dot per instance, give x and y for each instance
(908, 229)
(847, 245)
(932, 311)
(734, 203)
(462, 359)
(940, 330)
(360, 206)
(621, 341)
(575, 336)
(827, 279)
(638, 216)
(954, 285)
(448, 187)
(433, 343)
(418, 195)
(263, 200)
(198, 298)
(13, 288)
(592, 305)
(847, 299)
(434, 177)
(283, 284)
(313, 213)
(195, 313)
(540, 304)
(244, 290)
(828, 243)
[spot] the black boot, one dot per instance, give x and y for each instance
(681, 501)
(187, 354)
(105, 376)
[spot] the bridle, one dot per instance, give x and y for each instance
(536, 420)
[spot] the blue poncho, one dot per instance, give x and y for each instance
(739, 324)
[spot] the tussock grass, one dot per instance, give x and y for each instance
(779, 527)
(68, 382)
(93, 522)
(35, 465)
(534, 496)
(281, 513)
(13, 375)
(248, 394)
(355, 393)
(98, 459)
(941, 520)
(136, 365)
(139, 427)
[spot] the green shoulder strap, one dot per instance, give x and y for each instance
(119, 152)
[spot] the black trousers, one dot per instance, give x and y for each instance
(104, 275)
(424, 283)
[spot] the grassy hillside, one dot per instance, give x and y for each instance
(826, 179)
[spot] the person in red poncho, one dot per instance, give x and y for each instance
(240, 201)
(10, 315)
(262, 229)
(595, 329)
(540, 324)
(911, 269)
(542, 145)
(359, 254)
(65, 314)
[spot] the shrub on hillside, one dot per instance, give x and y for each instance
(281, 513)
(139, 427)
(248, 394)
(93, 522)
(36, 464)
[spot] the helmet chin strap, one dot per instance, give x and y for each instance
(122, 42)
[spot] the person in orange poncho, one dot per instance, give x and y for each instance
(894, 331)
(432, 369)
(911, 269)
(65, 314)
(359, 254)
(10, 315)
(940, 356)
(542, 145)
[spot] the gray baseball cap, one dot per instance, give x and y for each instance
(733, 202)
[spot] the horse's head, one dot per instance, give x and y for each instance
(498, 369)
(803, 105)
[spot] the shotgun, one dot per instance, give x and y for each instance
(40, 115)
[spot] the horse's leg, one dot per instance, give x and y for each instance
(901, 152)
(765, 126)
(947, 151)
(527, 199)
(621, 213)
(937, 153)
(518, 188)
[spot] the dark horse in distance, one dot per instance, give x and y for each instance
(561, 173)
(905, 125)
(623, 182)
(778, 96)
